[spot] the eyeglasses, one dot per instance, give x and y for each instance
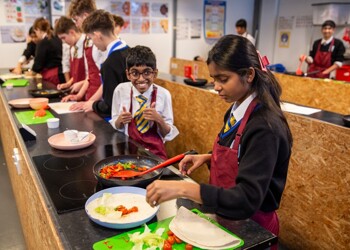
(147, 74)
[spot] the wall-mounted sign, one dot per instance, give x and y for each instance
(214, 19)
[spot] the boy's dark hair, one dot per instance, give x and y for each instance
(328, 23)
(241, 23)
(64, 24)
(79, 7)
(118, 20)
(141, 56)
(99, 20)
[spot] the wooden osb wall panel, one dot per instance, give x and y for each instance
(315, 209)
(198, 115)
(330, 96)
(177, 67)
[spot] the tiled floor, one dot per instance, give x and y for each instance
(11, 236)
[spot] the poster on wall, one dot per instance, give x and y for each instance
(196, 28)
(13, 34)
(284, 39)
(214, 19)
(147, 17)
(13, 11)
(159, 26)
(36, 8)
(57, 7)
(159, 10)
(182, 29)
(120, 8)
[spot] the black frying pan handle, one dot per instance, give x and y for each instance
(191, 152)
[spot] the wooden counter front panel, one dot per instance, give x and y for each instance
(315, 208)
(317, 93)
(38, 229)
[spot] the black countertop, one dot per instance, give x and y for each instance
(75, 228)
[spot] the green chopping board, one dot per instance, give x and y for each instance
(27, 117)
(121, 241)
(16, 82)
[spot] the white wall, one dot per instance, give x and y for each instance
(301, 38)
(235, 9)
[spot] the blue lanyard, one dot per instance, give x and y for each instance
(114, 46)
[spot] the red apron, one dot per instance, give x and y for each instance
(77, 68)
(224, 171)
(51, 75)
(322, 61)
(151, 139)
(94, 73)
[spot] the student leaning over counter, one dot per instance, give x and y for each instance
(48, 53)
(251, 153)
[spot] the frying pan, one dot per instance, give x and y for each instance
(49, 93)
(198, 82)
(138, 160)
(302, 74)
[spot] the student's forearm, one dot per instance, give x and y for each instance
(67, 76)
(163, 127)
(331, 68)
(97, 96)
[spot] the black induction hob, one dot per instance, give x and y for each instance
(68, 175)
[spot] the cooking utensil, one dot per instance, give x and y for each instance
(311, 73)
(299, 72)
(192, 77)
(138, 160)
(197, 82)
(132, 173)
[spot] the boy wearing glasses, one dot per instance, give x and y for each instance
(142, 109)
(99, 27)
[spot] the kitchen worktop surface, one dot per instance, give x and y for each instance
(75, 229)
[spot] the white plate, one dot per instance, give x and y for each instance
(57, 141)
(141, 218)
(63, 107)
(20, 103)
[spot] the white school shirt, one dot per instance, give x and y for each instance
(249, 37)
(121, 98)
(239, 111)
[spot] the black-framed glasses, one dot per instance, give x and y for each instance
(146, 74)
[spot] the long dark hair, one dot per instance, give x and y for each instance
(237, 54)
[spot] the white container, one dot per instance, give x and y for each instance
(71, 135)
(53, 122)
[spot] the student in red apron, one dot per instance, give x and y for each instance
(250, 156)
(327, 54)
(140, 108)
(48, 53)
(69, 33)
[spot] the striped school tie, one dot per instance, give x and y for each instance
(141, 123)
(230, 123)
(75, 52)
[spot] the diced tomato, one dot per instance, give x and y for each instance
(177, 239)
(167, 245)
(188, 247)
(171, 239)
(170, 233)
